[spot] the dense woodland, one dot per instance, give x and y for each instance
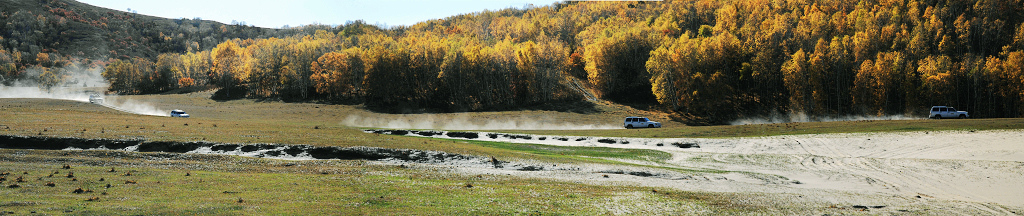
(708, 61)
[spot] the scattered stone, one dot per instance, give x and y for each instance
(130, 182)
(188, 174)
(240, 200)
(101, 179)
(641, 174)
(51, 184)
(78, 191)
(112, 170)
(466, 135)
(14, 186)
(686, 145)
(531, 168)
(93, 199)
(606, 141)
(468, 185)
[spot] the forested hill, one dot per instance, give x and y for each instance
(38, 35)
(709, 61)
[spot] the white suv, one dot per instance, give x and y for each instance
(179, 113)
(640, 122)
(96, 99)
(939, 112)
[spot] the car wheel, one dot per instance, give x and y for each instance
(629, 126)
(963, 116)
(650, 126)
(938, 116)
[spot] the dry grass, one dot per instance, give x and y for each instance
(235, 185)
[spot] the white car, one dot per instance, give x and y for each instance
(179, 113)
(940, 112)
(96, 99)
(640, 122)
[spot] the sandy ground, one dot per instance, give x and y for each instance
(946, 172)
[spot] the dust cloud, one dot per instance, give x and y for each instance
(78, 86)
(803, 117)
(466, 122)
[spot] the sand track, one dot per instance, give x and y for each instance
(982, 166)
(973, 172)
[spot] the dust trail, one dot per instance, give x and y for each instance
(465, 122)
(82, 95)
(803, 117)
(78, 85)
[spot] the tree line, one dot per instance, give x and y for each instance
(709, 61)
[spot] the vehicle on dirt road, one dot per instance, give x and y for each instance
(640, 122)
(940, 112)
(179, 113)
(96, 99)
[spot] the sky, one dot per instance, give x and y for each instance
(278, 13)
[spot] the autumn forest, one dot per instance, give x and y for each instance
(707, 61)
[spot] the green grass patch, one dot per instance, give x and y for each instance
(565, 154)
(172, 184)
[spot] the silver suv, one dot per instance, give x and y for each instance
(940, 112)
(640, 122)
(179, 113)
(96, 99)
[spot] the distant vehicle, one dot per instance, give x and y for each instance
(640, 122)
(940, 112)
(179, 113)
(96, 99)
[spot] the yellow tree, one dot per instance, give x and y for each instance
(935, 74)
(331, 75)
(226, 62)
(524, 77)
(796, 78)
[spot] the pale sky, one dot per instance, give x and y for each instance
(277, 13)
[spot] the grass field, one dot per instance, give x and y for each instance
(205, 184)
(238, 185)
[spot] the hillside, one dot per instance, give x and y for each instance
(56, 33)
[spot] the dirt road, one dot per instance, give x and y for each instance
(958, 172)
